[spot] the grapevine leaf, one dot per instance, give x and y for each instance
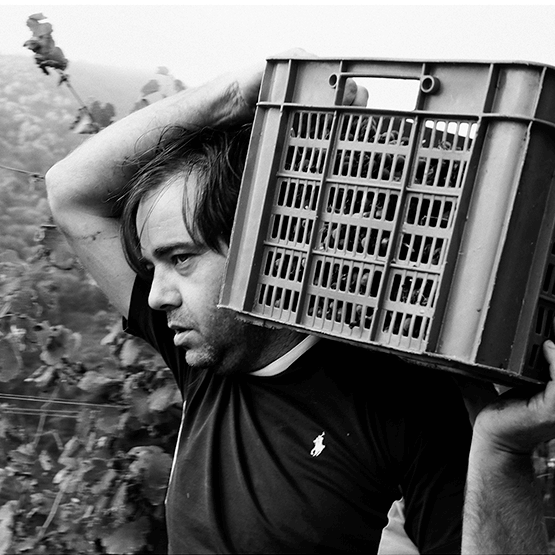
(43, 501)
(10, 487)
(44, 376)
(96, 470)
(47, 54)
(24, 455)
(108, 423)
(139, 405)
(130, 423)
(152, 465)
(129, 538)
(59, 344)
(114, 331)
(68, 480)
(83, 124)
(156, 478)
(9, 363)
(96, 382)
(62, 475)
(7, 516)
(56, 247)
(102, 115)
(71, 448)
(119, 506)
(151, 87)
(105, 482)
(130, 352)
(162, 85)
(45, 461)
(160, 399)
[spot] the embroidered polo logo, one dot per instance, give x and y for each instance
(318, 445)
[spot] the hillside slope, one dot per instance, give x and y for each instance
(36, 111)
(36, 116)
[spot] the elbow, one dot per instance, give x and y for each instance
(59, 181)
(53, 181)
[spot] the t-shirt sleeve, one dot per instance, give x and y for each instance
(434, 465)
(151, 325)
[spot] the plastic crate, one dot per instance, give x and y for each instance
(428, 233)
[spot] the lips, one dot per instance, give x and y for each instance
(181, 334)
(180, 338)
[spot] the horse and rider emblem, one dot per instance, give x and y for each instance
(318, 445)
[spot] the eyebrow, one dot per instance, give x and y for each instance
(160, 252)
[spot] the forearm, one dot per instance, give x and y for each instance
(503, 510)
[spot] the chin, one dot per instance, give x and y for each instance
(224, 361)
(201, 360)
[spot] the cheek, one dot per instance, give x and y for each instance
(203, 293)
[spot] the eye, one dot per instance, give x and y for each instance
(181, 258)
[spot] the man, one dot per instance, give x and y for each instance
(287, 444)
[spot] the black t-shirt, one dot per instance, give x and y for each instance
(310, 460)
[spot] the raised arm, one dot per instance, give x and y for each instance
(82, 187)
(503, 508)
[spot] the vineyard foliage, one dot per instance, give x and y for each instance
(88, 415)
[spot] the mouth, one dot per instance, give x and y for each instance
(180, 338)
(181, 334)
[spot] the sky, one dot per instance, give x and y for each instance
(197, 43)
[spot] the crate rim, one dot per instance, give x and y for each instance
(500, 376)
(454, 61)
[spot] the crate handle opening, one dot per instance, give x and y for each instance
(386, 93)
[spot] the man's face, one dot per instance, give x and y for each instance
(186, 285)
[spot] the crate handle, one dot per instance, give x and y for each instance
(428, 83)
(386, 92)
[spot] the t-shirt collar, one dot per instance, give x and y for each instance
(285, 361)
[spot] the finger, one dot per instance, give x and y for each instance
(349, 93)
(361, 98)
(353, 95)
(549, 353)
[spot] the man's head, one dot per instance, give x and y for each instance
(177, 223)
(217, 158)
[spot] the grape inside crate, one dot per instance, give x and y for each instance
(427, 232)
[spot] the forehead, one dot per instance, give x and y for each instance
(160, 213)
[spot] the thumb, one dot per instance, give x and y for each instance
(549, 353)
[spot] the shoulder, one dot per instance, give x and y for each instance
(390, 382)
(380, 366)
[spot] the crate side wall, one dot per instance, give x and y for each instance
(250, 217)
(545, 109)
(312, 85)
(463, 88)
(521, 267)
(483, 238)
(517, 91)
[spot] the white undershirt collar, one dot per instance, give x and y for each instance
(285, 361)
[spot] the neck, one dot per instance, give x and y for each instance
(277, 343)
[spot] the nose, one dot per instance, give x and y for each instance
(164, 293)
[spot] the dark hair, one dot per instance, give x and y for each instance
(217, 158)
